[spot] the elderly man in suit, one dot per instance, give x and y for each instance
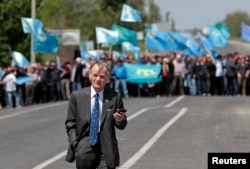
(93, 115)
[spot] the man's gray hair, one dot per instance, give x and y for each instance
(101, 64)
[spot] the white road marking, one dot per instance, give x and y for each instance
(53, 159)
(174, 102)
(62, 154)
(152, 141)
(31, 110)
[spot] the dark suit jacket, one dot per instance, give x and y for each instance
(78, 121)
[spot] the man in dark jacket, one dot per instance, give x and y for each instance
(93, 115)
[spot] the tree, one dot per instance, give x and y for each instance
(11, 29)
(234, 21)
(154, 13)
(66, 14)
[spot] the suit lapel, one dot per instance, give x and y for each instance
(87, 102)
(105, 105)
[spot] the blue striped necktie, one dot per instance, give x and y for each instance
(94, 123)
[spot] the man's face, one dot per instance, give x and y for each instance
(99, 77)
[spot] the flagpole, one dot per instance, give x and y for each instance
(33, 16)
(242, 43)
(110, 51)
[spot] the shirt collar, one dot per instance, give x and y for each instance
(93, 92)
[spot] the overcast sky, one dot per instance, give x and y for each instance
(189, 14)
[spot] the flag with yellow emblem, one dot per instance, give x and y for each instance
(130, 14)
(106, 36)
(125, 34)
(31, 26)
(142, 73)
(45, 43)
(218, 37)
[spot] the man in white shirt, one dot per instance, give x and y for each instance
(219, 76)
(10, 87)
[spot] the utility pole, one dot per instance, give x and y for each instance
(33, 16)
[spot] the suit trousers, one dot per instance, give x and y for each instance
(98, 162)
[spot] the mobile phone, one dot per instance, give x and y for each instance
(122, 110)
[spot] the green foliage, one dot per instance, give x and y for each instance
(11, 29)
(85, 15)
(154, 12)
(234, 21)
(112, 4)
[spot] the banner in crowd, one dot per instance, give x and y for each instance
(130, 14)
(125, 34)
(106, 36)
(19, 59)
(31, 26)
(45, 43)
(142, 73)
(218, 37)
(207, 45)
(22, 80)
(245, 32)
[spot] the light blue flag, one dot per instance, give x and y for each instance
(218, 37)
(188, 44)
(225, 33)
(156, 41)
(180, 41)
(86, 55)
(94, 54)
(1, 72)
(178, 37)
(207, 45)
(125, 34)
(127, 46)
(33, 26)
(188, 52)
(24, 79)
(194, 47)
(130, 14)
(19, 59)
(142, 73)
(173, 45)
(45, 43)
(245, 32)
(106, 36)
(117, 54)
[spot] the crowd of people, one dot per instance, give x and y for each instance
(227, 75)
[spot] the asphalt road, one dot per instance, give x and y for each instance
(154, 138)
(175, 133)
